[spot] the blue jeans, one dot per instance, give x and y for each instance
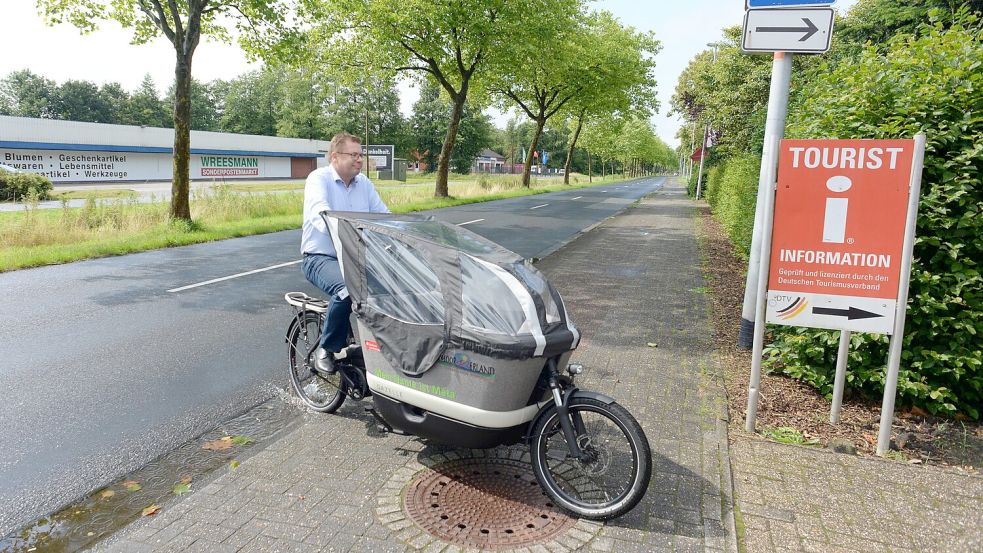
(324, 272)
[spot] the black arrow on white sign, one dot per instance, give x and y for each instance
(851, 313)
(809, 30)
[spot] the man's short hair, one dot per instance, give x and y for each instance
(341, 138)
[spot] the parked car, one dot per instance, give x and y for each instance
(8, 168)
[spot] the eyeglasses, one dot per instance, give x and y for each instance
(355, 155)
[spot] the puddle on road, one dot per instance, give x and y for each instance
(183, 470)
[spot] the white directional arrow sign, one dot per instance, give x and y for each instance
(805, 31)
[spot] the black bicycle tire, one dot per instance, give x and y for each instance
(292, 352)
(642, 466)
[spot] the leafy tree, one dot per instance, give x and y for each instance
(473, 136)
(547, 72)
(145, 106)
(118, 99)
(253, 102)
(427, 123)
(430, 118)
(455, 42)
(367, 98)
(629, 88)
(26, 94)
(82, 101)
(876, 21)
(206, 104)
(589, 62)
(182, 22)
(599, 136)
(302, 112)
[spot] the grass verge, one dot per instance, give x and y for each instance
(116, 193)
(104, 227)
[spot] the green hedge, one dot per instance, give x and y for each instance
(732, 188)
(933, 83)
(15, 186)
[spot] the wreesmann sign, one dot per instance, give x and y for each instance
(837, 244)
(229, 166)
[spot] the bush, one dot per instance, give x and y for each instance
(691, 183)
(712, 185)
(931, 82)
(733, 197)
(16, 186)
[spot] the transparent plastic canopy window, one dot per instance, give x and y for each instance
(441, 234)
(489, 303)
(537, 283)
(401, 283)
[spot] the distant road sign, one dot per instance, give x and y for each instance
(840, 214)
(380, 155)
(806, 31)
(781, 3)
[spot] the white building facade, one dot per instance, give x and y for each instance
(72, 151)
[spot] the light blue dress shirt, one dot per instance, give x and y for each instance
(325, 190)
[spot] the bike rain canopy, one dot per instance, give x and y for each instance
(423, 286)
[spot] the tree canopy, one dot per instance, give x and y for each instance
(261, 23)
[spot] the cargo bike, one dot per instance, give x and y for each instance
(463, 342)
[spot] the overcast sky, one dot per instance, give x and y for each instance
(61, 53)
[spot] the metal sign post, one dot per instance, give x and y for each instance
(781, 74)
(840, 380)
(894, 353)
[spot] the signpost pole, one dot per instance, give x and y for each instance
(897, 337)
(839, 381)
(781, 74)
(754, 385)
(703, 155)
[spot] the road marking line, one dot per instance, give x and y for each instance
(577, 198)
(469, 222)
(539, 206)
(214, 280)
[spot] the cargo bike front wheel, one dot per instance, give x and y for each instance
(613, 473)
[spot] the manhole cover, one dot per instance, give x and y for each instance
(484, 503)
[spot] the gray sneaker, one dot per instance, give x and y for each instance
(324, 361)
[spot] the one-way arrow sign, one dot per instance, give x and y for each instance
(809, 29)
(806, 30)
(851, 313)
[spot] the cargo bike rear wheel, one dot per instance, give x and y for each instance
(320, 392)
(614, 472)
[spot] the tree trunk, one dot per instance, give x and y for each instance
(590, 167)
(444, 160)
(540, 123)
(180, 203)
(576, 135)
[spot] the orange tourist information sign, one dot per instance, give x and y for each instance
(839, 227)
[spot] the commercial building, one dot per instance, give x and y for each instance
(72, 151)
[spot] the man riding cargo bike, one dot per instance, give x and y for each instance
(459, 341)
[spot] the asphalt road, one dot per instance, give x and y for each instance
(109, 363)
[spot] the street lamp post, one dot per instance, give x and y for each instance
(706, 131)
